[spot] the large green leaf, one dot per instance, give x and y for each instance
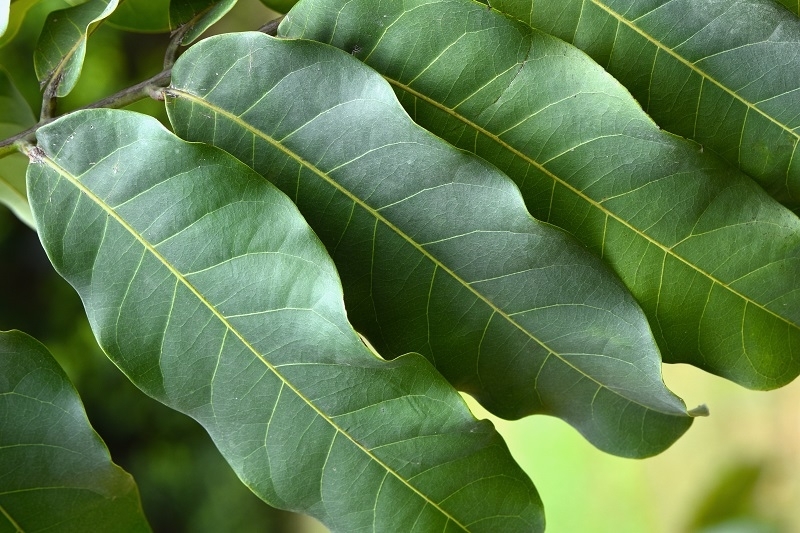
(59, 54)
(15, 116)
(55, 472)
(200, 14)
(725, 73)
(204, 284)
(713, 260)
(437, 252)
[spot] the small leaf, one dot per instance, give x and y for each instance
(204, 284)
(15, 116)
(437, 251)
(146, 16)
(61, 48)
(57, 474)
(726, 74)
(200, 14)
(713, 260)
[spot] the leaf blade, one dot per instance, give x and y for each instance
(216, 302)
(67, 477)
(61, 47)
(15, 116)
(697, 87)
(588, 160)
(437, 252)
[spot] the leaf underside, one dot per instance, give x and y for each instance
(59, 54)
(56, 472)
(726, 74)
(713, 260)
(437, 251)
(204, 284)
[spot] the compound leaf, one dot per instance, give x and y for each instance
(204, 284)
(59, 54)
(55, 471)
(724, 73)
(712, 259)
(437, 251)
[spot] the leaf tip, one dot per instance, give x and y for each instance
(700, 410)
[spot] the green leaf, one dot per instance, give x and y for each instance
(279, 6)
(15, 17)
(57, 474)
(437, 251)
(145, 16)
(61, 47)
(713, 260)
(724, 73)
(15, 116)
(200, 14)
(204, 284)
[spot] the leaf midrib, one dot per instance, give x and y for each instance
(11, 520)
(113, 214)
(255, 131)
(597, 205)
(85, 34)
(661, 46)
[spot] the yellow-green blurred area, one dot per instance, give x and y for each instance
(737, 471)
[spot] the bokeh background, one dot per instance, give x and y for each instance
(737, 471)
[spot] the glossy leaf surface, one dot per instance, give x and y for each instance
(713, 260)
(722, 72)
(15, 116)
(55, 471)
(437, 252)
(200, 14)
(204, 284)
(62, 44)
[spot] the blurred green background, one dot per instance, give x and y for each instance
(736, 471)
